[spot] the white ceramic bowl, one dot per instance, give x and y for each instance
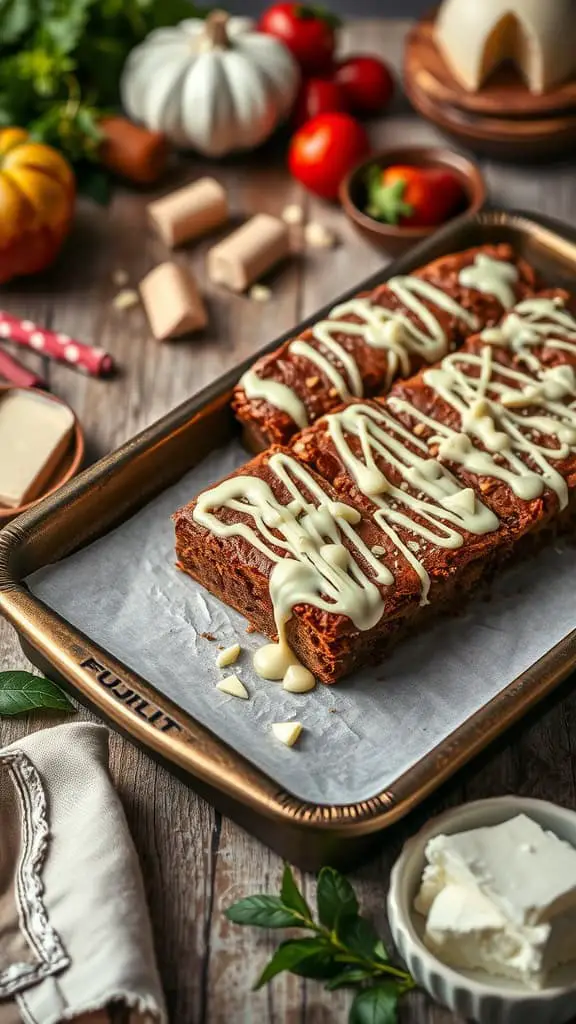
(476, 995)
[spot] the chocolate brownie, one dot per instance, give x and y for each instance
(376, 337)
(387, 511)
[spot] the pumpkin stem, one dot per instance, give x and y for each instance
(216, 29)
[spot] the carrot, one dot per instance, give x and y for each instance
(133, 152)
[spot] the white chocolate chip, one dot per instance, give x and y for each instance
(260, 293)
(293, 214)
(125, 299)
(318, 236)
(234, 687)
(287, 732)
(298, 679)
(120, 278)
(228, 656)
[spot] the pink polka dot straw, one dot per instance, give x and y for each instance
(87, 358)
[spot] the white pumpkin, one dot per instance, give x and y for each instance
(215, 85)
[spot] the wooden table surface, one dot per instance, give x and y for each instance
(194, 861)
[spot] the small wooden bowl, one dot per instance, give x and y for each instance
(393, 238)
(67, 468)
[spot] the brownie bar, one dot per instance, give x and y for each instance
(238, 572)
(438, 483)
(312, 374)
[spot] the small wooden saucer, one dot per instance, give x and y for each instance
(504, 94)
(67, 468)
(516, 140)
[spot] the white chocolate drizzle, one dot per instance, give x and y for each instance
(524, 421)
(491, 277)
(514, 425)
(277, 394)
(380, 328)
(304, 541)
(443, 506)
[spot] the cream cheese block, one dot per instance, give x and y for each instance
(538, 36)
(501, 899)
(34, 435)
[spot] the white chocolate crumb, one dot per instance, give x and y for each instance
(293, 214)
(234, 687)
(125, 299)
(298, 679)
(287, 732)
(260, 293)
(378, 550)
(228, 656)
(120, 278)
(318, 236)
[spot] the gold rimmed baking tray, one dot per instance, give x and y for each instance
(118, 486)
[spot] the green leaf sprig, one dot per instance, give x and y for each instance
(343, 950)
(61, 61)
(22, 691)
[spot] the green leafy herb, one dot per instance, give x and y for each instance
(61, 61)
(22, 691)
(343, 950)
(336, 898)
(264, 912)
(377, 1005)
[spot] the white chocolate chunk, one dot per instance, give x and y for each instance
(228, 656)
(298, 679)
(260, 293)
(120, 278)
(318, 236)
(126, 299)
(293, 214)
(287, 732)
(233, 686)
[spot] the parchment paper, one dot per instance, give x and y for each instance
(126, 594)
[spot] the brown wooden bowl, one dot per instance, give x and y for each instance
(67, 468)
(393, 238)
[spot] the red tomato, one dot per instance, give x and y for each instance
(413, 196)
(324, 150)
(307, 32)
(367, 84)
(317, 96)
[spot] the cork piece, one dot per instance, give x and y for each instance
(34, 436)
(172, 302)
(189, 212)
(249, 252)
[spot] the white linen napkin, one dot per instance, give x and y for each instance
(75, 937)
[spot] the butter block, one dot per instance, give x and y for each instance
(501, 899)
(34, 436)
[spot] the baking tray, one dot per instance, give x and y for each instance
(308, 834)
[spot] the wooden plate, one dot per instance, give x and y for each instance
(506, 139)
(504, 95)
(68, 467)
